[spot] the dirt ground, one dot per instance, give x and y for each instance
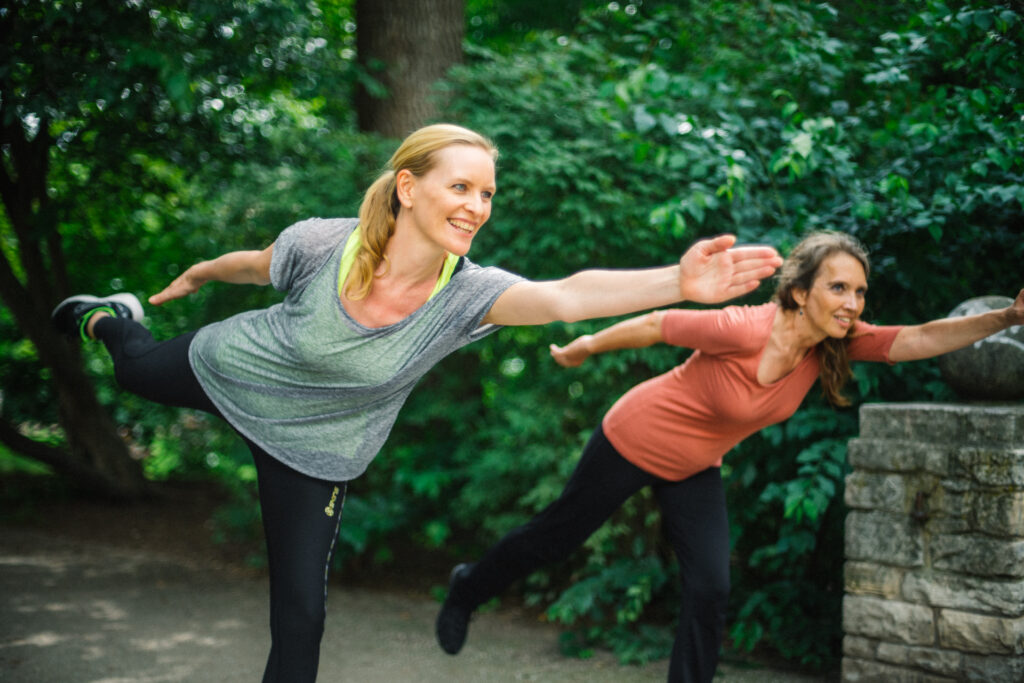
(93, 592)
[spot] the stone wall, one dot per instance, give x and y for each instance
(934, 568)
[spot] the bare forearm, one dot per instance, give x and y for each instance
(586, 294)
(236, 267)
(635, 333)
(604, 293)
(947, 334)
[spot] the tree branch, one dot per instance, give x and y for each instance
(61, 461)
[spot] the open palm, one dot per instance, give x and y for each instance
(712, 270)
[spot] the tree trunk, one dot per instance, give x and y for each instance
(405, 46)
(95, 457)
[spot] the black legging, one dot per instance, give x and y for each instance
(695, 523)
(300, 513)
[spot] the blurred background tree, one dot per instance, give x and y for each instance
(141, 137)
(403, 47)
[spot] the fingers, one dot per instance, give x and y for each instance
(755, 253)
(165, 295)
(563, 357)
(717, 244)
(558, 354)
(740, 288)
(756, 270)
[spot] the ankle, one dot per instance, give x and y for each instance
(93, 318)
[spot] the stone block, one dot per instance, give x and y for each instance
(876, 491)
(884, 537)
(888, 455)
(980, 634)
(941, 524)
(968, 593)
(998, 514)
(865, 671)
(975, 554)
(991, 466)
(942, 423)
(994, 513)
(993, 668)
(991, 425)
(930, 659)
(862, 648)
(865, 578)
(888, 620)
(928, 423)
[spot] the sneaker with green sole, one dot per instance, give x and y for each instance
(71, 315)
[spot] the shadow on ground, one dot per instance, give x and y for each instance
(84, 603)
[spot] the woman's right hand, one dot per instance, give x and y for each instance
(183, 285)
(572, 354)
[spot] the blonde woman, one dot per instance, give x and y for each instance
(751, 367)
(314, 384)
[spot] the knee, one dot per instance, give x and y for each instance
(300, 619)
(710, 588)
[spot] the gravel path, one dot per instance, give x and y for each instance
(85, 611)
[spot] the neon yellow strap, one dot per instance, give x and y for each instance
(348, 257)
(447, 270)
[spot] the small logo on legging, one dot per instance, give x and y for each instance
(329, 510)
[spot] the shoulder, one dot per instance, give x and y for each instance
(719, 330)
(469, 274)
(871, 342)
(729, 317)
(303, 247)
(319, 230)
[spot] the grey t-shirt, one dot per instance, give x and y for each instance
(310, 385)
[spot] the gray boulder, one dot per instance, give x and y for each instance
(991, 369)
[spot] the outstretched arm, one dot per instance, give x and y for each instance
(635, 333)
(949, 334)
(709, 272)
(235, 267)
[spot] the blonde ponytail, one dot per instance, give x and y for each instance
(376, 225)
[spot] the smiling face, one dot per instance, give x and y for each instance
(836, 297)
(449, 203)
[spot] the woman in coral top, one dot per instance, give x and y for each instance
(752, 367)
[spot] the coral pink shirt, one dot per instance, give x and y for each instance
(682, 422)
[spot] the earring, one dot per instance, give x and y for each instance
(800, 313)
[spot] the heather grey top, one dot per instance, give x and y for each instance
(309, 384)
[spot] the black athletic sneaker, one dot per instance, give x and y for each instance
(453, 620)
(71, 315)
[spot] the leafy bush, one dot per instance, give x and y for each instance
(638, 133)
(623, 140)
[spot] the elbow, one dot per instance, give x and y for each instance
(567, 316)
(652, 327)
(562, 309)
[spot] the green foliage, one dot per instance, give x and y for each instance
(625, 135)
(637, 133)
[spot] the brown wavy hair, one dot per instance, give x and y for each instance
(799, 272)
(377, 213)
